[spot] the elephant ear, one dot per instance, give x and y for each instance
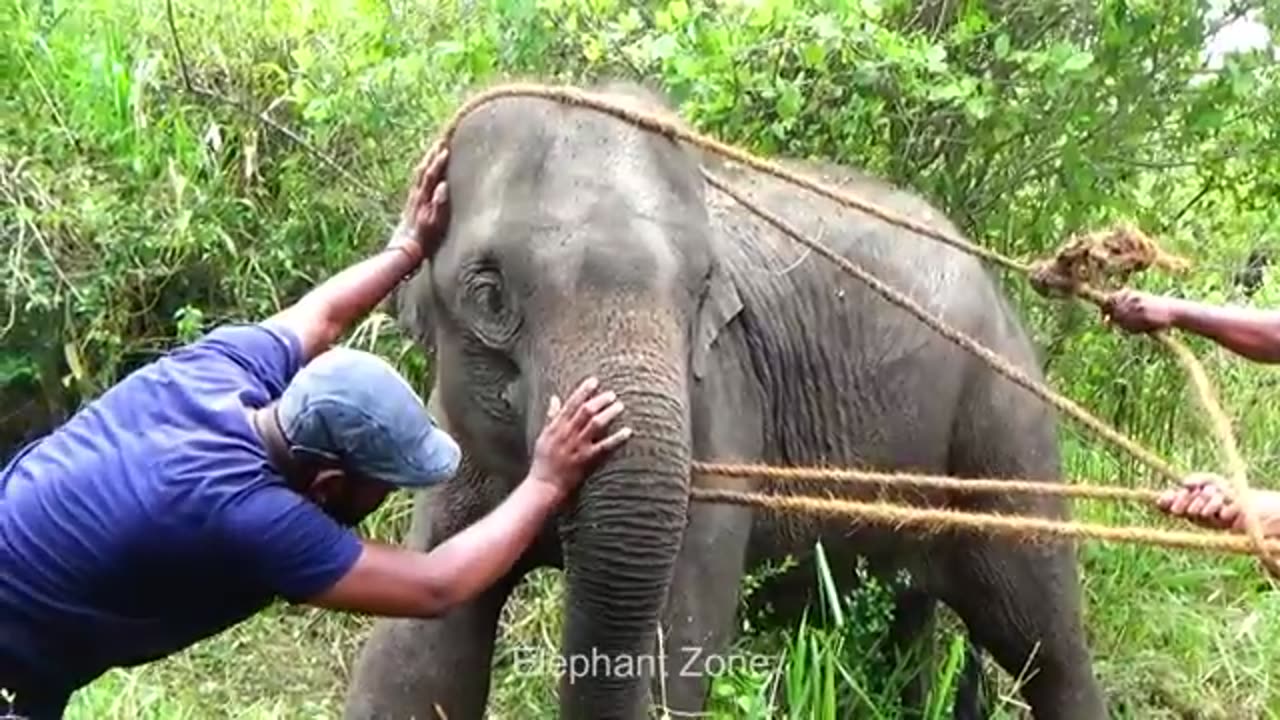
(719, 305)
(410, 304)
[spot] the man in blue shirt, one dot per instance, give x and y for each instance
(229, 472)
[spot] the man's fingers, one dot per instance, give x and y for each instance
(1179, 506)
(1213, 506)
(580, 395)
(413, 201)
(553, 407)
(582, 417)
(431, 212)
(434, 168)
(611, 443)
(430, 162)
(1197, 504)
(596, 404)
(600, 420)
(420, 171)
(1230, 516)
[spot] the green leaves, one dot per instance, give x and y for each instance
(1002, 46)
(1077, 61)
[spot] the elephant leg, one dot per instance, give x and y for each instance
(1020, 603)
(409, 667)
(698, 618)
(910, 635)
(973, 690)
(429, 669)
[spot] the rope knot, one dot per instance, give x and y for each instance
(1098, 259)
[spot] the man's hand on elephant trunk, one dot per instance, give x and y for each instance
(569, 443)
(426, 211)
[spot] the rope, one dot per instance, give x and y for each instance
(1094, 258)
(938, 482)
(1236, 470)
(1025, 529)
(1069, 273)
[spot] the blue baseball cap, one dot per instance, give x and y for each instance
(352, 407)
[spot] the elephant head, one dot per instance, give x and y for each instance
(579, 245)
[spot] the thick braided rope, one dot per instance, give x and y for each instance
(653, 123)
(1025, 529)
(937, 482)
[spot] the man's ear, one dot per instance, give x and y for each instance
(324, 486)
(720, 304)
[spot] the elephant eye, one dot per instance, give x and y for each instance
(491, 297)
(488, 306)
(485, 289)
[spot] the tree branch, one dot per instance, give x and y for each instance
(1204, 190)
(262, 117)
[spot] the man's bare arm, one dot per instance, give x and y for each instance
(397, 582)
(321, 316)
(392, 581)
(1254, 334)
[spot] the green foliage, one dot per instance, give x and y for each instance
(838, 664)
(145, 199)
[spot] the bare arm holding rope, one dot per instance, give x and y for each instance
(1253, 334)
(1250, 333)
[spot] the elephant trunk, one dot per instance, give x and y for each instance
(623, 531)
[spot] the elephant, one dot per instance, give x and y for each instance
(580, 244)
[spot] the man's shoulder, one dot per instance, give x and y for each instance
(204, 385)
(264, 353)
(243, 337)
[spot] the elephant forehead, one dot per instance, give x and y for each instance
(563, 158)
(571, 250)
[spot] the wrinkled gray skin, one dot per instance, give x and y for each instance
(581, 245)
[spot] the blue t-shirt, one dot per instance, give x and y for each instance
(152, 519)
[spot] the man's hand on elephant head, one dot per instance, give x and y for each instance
(426, 212)
(570, 443)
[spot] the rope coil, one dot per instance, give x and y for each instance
(1093, 259)
(1075, 271)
